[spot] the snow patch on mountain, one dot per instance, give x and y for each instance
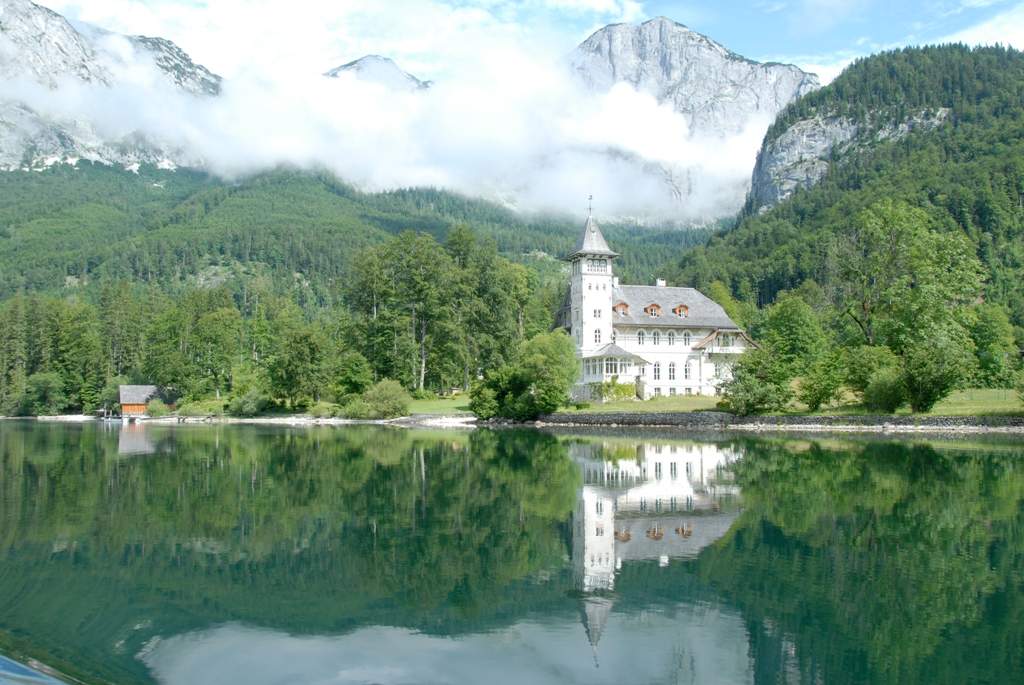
(380, 70)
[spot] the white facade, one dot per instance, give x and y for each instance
(665, 341)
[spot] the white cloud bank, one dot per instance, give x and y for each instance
(511, 124)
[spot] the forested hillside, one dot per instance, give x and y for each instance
(70, 227)
(967, 175)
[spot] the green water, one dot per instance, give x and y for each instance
(257, 555)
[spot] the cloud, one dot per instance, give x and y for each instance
(505, 119)
(1006, 28)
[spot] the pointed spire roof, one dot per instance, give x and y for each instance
(594, 612)
(592, 242)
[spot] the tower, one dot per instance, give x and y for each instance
(591, 289)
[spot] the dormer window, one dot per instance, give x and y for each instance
(682, 311)
(653, 310)
(621, 308)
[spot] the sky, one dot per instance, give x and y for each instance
(504, 119)
(436, 38)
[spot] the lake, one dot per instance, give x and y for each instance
(246, 554)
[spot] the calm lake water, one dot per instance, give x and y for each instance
(213, 555)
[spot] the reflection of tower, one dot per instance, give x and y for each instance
(593, 540)
(595, 612)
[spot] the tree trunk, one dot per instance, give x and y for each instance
(423, 353)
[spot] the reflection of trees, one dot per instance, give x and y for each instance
(311, 530)
(882, 563)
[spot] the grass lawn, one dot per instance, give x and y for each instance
(444, 406)
(976, 402)
(679, 403)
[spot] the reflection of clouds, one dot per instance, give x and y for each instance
(685, 644)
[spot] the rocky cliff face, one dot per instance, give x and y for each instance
(800, 156)
(719, 91)
(39, 48)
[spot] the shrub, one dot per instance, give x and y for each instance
(483, 401)
(157, 409)
(824, 383)
(613, 391)
(423, 394)
(885, 391)
(934, 366)
(387, 400)
(252, 403)
(356, 408)
(536, 383)
(1020, 386)
(324, 410)
(759, 384)
(202, 408)
(44, 394)
(863, 362)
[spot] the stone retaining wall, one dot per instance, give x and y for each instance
(723, 421)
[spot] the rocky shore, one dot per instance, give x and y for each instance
(721, 421)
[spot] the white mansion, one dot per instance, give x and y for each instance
(667, 341)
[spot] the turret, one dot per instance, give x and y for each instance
(592, 285)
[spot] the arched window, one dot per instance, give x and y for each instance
(687, 339)
(657, 371)
(656, 338)
(597, 336)
(671, 338)
(672, 371)
(640, 337)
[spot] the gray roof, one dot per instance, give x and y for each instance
(137, 394)
(592, 242)
(704, 312)
(614, 350)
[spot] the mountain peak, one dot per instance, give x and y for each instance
(382, 71)
(718, 90)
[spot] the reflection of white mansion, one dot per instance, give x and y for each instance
(666, 341)
(670, 502)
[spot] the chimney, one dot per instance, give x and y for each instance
(660, 282)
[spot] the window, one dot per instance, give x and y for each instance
(657, 372)
(599, 507)
(682, 311)
(686, 339)
(622, 309)
(672, 373)
(671, 338)
(611, 367)
(640, 335)
(673, 470)
(657, 392)
(672, 392)
(653, 310)
(599, 531)
(590, 286)
(597, 313)
(597, 337)
(615, 336)
(718, 370)
(655, 338)
(657, 471)
(686, 370)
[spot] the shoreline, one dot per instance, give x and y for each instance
(700, 422)
(722, 422)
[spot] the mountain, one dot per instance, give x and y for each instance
(719, 91)
(42, 53)
(722, 96)
(382, 71)
(939, 128)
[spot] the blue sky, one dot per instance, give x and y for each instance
(432, 37)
